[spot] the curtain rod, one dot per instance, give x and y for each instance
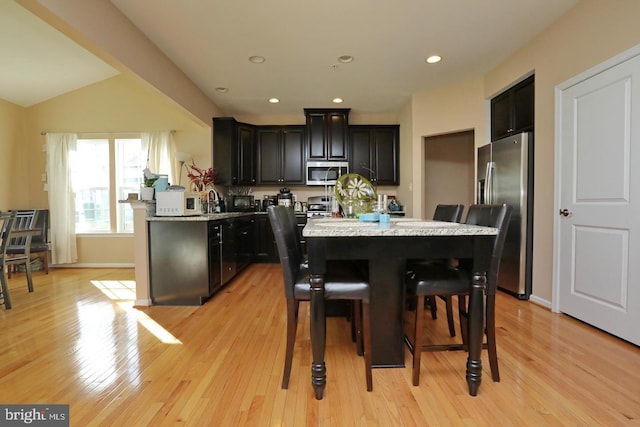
(106, 133)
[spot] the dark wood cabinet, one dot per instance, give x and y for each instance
(327, 131)
(245, 241)
(233, 152)
(374, 153)
(513, 110)
(280, 155)
(266, 250)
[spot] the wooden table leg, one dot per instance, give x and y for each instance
(476, 332)
(318, 335)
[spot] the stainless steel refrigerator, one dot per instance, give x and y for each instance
(505, 175)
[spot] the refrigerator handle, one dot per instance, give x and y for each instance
(490, 172)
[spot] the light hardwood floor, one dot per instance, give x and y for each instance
(78, 340)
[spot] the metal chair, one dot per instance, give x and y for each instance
(15, 234)
(434, 279)
(344, 284)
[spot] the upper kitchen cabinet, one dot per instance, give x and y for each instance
(280, 155)
(233, 152)
(512, 110)
(327, 133)
(373, 153)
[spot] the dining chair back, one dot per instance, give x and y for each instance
(7, 259)
(40, 245)
(428, 280)
(449, 213)
(338, 284)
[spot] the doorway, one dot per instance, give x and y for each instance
(449, 170)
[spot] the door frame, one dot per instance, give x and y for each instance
(559, 89)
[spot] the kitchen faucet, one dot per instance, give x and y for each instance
(216, 200)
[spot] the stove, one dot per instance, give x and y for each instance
(318, 214)
(318, 206)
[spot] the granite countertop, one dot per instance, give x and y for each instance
(203, 217)
(341, 227)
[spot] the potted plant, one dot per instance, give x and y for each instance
(148, 178)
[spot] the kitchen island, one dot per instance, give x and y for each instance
(193, 257)
(386, 247)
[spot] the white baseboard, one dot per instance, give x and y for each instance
(94, 265)
(540, 301)
(142, 302)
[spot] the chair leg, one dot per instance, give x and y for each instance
(292, 325)
(417, 341)
(5, 289)
(462, 312)
(27, 269)
(366, 328)
(452, 328)
(45, 258)
(432, 306)
(357, 322)
(491, 337)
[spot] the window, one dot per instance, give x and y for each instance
(105, 170)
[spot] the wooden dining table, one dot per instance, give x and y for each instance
(387, 247)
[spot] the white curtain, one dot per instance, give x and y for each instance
(62, 209)
(159, 148)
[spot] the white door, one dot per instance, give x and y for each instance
(597, 246)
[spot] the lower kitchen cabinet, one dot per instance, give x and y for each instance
(266, 250)
(245, 241)
(184, 261)
(237, 246)
(191, 260)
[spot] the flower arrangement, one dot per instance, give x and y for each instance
(201, 179)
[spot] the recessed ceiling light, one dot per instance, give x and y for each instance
(433, 59)
(345, 59)
(274, 100)
(257, 59)
(337, 100)
(222, 89)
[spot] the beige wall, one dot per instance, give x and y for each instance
(113, 105)
(13, 160)
(454, 108)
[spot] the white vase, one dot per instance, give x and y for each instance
(146, 193)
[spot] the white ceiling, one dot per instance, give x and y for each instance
(38, 62)
(301, 40)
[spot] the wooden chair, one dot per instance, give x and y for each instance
(432, 279)
(448, 213)
(340, 283)
(20, 241)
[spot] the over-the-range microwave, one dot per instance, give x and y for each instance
(325, 173)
